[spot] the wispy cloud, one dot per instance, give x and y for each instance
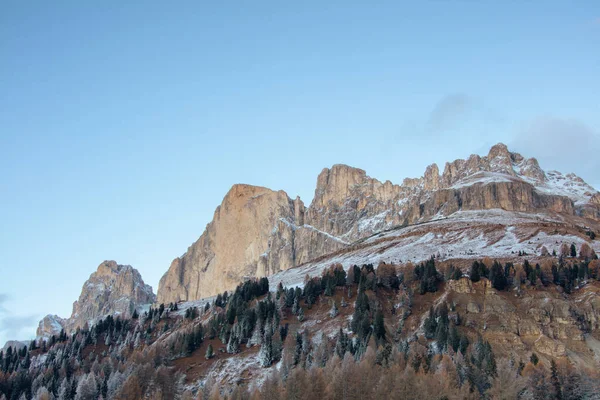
(14, 327)
(448, 112)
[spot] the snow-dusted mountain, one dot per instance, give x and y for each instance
(113, 289)
(259, 232)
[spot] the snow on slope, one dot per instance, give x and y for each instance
(569, 185)
(465, 234)
(550, 183)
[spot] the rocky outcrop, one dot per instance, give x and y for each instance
(254, 232)
(257, 231)
(50, 325)
(113, 289)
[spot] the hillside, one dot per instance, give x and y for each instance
(479, 282)
(478, 330)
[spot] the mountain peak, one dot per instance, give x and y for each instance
(113, 289)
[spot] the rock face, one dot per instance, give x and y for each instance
(112, 290)
(50, 325)
(257, 231)
(254, 232)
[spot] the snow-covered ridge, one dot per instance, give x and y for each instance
(503, 166)
(463, 235)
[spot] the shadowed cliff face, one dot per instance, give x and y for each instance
(257, 232)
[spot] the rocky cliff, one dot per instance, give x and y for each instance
(254, 232)
(113, 289)
(257, 231)
(50, 325)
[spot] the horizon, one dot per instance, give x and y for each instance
(120, 139)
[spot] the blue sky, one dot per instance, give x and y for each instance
(122, 126)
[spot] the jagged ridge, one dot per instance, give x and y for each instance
(258, 232)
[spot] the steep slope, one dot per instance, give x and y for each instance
(463, 236)
(258, 232)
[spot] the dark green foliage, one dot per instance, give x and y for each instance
(454, 273)
(379, 327)
(478, 270)
(209, 352)
(342, 343)
(430, 324)
(361, 320)
(534, 359)
(428, 276)
(497, 276)
(454, 339)
(474, 272)
(573, 250)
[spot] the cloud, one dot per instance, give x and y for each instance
(449, 111)
(567, 145)
(17, 327)
(14, 327)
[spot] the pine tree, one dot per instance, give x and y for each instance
(209, 352)
(333, 312)
(341, 344)
(430, 324)
(573, 250)
(266, 350)
(454, 339)
(379, 327)
(474, 273)
(301, 315)
(343, 302)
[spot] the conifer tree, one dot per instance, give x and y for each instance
(379, 327)
(333, 312)
(209, 352)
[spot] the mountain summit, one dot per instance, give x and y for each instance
(258, 232)
(113, 289)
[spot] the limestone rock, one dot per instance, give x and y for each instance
(50, 325)
(550, 347)
(257, 231)
(112, 290)
(254, 232)
(463, 285)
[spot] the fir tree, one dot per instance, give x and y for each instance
(379, 327)
(301, 315)
(209, 352)
(333, 312)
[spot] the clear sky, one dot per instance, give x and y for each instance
(122, 126)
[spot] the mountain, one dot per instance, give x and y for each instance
(480, 282)
(113, 289)
(257, 232)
